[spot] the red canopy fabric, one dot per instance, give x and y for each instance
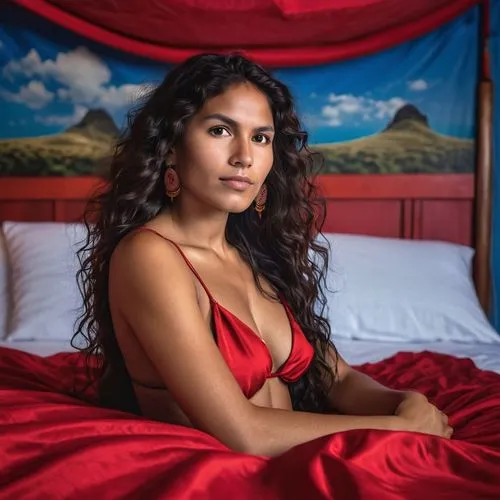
(273, 32)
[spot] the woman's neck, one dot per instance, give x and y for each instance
(200, 229)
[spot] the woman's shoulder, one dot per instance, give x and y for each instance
(147, 251)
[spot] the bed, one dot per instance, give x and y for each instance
(404, 307)
(407, 295)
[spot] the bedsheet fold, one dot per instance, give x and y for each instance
(55, 445)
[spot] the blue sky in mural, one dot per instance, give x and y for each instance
(50, 78)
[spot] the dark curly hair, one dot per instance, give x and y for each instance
(281, 247)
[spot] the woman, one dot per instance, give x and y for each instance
(199, 287)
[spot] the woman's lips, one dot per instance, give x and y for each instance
(236, 184)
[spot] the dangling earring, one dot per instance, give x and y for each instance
(173, 183)
(260, 200)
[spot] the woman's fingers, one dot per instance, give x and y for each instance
(448, 430)
(444, 416)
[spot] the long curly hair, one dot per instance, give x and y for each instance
(282, 246)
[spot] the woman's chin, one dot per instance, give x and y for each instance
(234, 204)
(237, 208)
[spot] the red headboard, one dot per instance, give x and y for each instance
(434, 207)
(400, 206)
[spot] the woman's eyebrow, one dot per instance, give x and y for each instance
(234, 123)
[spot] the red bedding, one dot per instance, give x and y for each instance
(53, 445)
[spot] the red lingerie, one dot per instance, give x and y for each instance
(244, 351)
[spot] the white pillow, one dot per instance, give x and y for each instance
(387, 289)
(5, 305)
(46, 300)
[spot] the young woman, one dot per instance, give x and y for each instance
(202, 276)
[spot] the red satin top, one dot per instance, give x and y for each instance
(244, 351)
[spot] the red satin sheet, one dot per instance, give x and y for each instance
(53, 445)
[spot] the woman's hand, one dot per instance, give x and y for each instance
(416, 414)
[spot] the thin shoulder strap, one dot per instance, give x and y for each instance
(143, 228)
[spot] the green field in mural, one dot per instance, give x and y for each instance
(406, 145)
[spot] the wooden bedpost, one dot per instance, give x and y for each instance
(484, 170)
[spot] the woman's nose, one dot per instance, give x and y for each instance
(242, 154)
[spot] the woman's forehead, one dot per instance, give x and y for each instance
(242, 103)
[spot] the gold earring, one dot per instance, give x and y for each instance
(260, 200)
(173, 183)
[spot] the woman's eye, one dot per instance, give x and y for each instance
(262, 139)
(218, 131)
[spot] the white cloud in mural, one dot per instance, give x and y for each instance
(64, 120)
(34, 95)
(332, 116)
(124, 95)
(418, 85)
(108, 97)
(83, 76)
(26, 66)
(387, 109)
(79, 69)
(344, 107)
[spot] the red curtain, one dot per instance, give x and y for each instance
(273, 32)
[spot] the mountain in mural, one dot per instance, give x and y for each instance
(406, 145)
(95, 123)
(78, 150)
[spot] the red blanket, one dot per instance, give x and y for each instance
(53, 445)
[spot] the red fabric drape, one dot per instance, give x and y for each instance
(273, 32)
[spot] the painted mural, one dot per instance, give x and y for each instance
(411, 109)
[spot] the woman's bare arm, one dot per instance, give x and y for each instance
(356, 393)
(156, 295)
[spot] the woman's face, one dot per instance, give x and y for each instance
(227, 151)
